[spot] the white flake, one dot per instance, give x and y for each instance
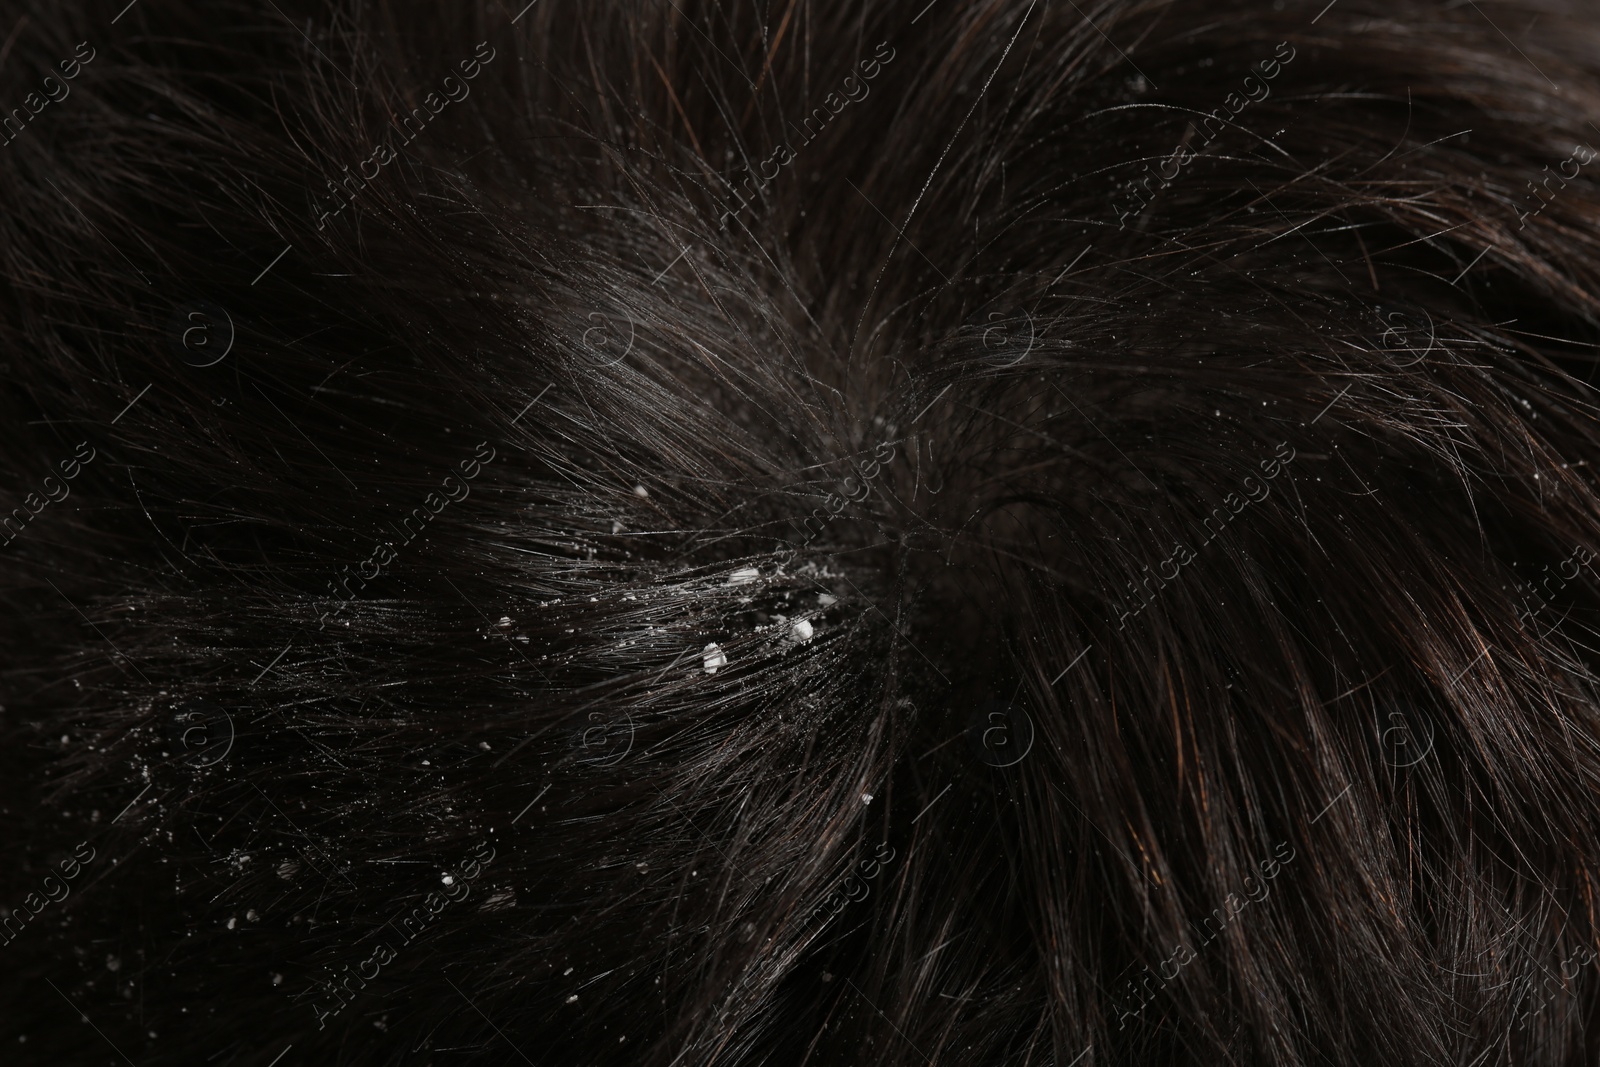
(801, 630)
(714, 658)
(743, 576)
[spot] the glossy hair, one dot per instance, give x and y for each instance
(984, 532)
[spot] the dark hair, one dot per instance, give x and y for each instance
(976, 532)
